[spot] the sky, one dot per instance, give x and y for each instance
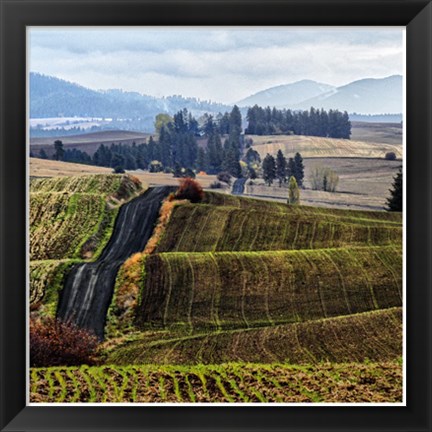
(223, 64)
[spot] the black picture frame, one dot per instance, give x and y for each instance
(16, 15)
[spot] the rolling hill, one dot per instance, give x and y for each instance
(235, 299)
(367, 96)
(288, 95)
(54, 97)
(311, 147)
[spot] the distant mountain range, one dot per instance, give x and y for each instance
(366, 96)
(51, 97)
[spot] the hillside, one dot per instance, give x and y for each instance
(366, 96)
(88, 142)
(286, 96)
(311, 147)
(71, 220)
(53, 97)
(301, 343)
(387, 133)
(232, 292)
(45, 168)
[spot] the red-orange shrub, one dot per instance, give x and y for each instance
(190, 189)
(56, 343)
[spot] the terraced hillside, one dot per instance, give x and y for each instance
(250, 289)
(376, 336)
(236, 299)
(71, 219)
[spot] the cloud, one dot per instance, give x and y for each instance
(223, 65)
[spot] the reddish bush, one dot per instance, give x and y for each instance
(190, 189)
(56, 343)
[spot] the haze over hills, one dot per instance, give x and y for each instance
(288, 95)
(51, 97)
(366, 96)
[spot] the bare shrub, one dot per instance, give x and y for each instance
(57, 343)
(324, 178)
(190, 189)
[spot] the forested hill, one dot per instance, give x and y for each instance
(53, 97)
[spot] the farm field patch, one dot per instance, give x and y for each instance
(370, 336)
(310, 146)
(232, 382)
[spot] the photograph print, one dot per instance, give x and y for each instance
(215, 215)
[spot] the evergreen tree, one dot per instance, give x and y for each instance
(42, 154)
(293, 191)
(395, 202)
(298, 169)
(224, 124)
(231, 164)
(165, 147)
(291, 168)
(215, 154)
(281, 168)
(235, 121)
(58, 150)
(209, 126)
(202, 163)
(252, 157)
(117, 161)
(269, 169)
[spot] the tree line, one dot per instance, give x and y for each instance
(176, 147)
(282, 169)
(315, 122)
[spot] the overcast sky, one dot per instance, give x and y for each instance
(223, 64)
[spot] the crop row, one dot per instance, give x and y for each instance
(376, 336)
(68, 225)
(72, 217)
(232, 382)
(250, 289)
(97, 184)
(46, 280)
(205, 228)
(221, 199)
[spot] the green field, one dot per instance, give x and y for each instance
(374, 336)
(240, 300)
(250, 289)
(231, 382)
(71, 219)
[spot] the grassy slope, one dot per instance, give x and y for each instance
(389, 133)
(219, 199)
(230, 382)
(376, 336)
(248, 289)
(196, 228)
(71, 219)
(254, 292)
(226, 222)
(311, 147)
